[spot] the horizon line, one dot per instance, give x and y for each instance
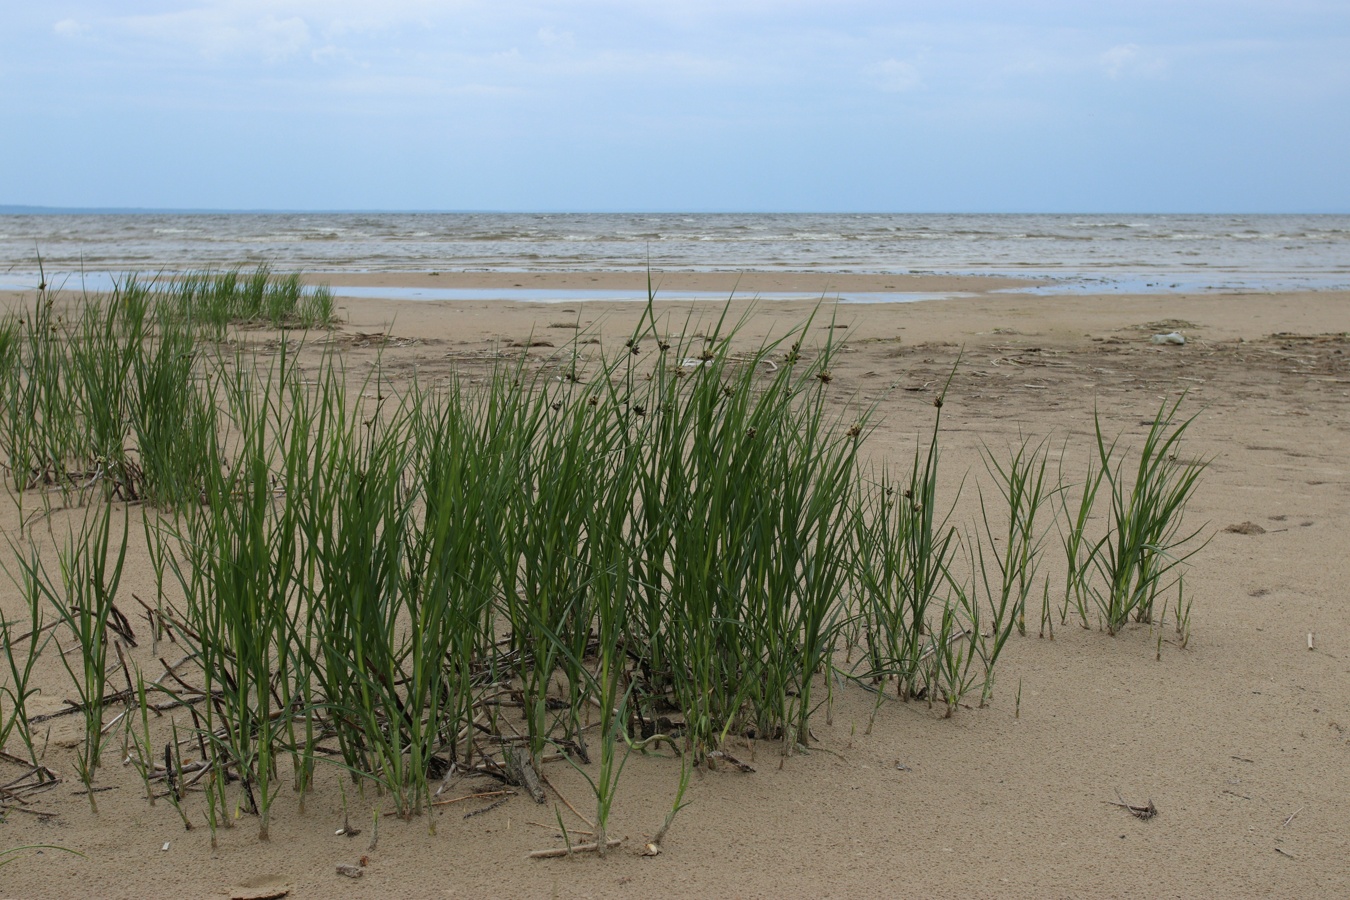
(30, 209)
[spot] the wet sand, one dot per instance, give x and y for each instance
(743, 283)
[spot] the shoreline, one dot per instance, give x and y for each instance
(573, 284)
(751, 281)
(553, 287)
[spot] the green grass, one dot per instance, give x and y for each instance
(1015, 550)
(903, 585)
(12, 854)
(1146, 541)
(666, 542)
(91, 565)
(102, 394)
(1074, 521)
(22, 650)
(215, 300)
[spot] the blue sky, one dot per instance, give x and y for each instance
(966, 105)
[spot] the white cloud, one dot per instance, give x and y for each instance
(219, 33)
(896, 76)
(551, 37)
(1126, 60)
(69, 28)
(279, 39)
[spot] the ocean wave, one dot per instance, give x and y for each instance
(1274, 249)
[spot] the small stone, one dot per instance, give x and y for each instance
(350, 871)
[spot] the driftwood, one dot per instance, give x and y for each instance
(520, 771)
(558, 852)
(733, 761)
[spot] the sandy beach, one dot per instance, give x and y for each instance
(1241, 740)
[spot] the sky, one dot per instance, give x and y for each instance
(681, 105)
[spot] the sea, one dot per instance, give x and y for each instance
(1089, 254)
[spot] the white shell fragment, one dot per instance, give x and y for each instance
(1172, 337)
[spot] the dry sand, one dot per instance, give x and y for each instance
(1240, 739)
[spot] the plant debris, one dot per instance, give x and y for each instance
(1143, 812)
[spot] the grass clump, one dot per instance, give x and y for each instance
(1138, 559)
(104, 393)
(22, 651)
(1023, 491)
(83, 602)
(666, 545)
(741, 536)
(216, 300)
(906, 546)
(1145, 542)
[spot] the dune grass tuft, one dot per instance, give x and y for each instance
(664, 545)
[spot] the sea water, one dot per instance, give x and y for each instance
(1075, 253)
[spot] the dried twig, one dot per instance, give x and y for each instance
(558, 852)
(40, 813)
(489, 808)
(723, 755)
(554, 827)
(73, 708)
(1141, 812)
(482, 796)
(568, 803)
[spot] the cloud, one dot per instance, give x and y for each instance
(218, 34)
(69, 28)
(551, 37)
(896, 76)
(279, 39)
(1125, 60)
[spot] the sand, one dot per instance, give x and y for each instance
(1240, 739)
